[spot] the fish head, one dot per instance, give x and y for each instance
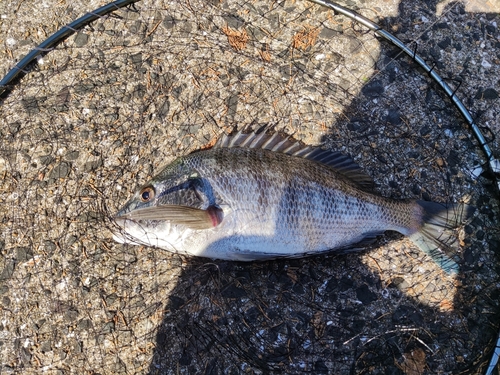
(177, 200)
(177, 184)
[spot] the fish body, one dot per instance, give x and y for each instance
(255, 197)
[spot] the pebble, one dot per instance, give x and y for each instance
(61, 170)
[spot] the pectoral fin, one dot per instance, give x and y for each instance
(191, 217)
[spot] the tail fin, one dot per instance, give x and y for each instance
(438, 231)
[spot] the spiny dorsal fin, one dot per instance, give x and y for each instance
(276, 143)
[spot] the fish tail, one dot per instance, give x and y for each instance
(437, 234)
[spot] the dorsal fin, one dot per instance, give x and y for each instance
(341, 163)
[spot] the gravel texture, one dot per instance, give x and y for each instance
(105, 110)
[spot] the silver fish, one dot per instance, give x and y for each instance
(257, 196)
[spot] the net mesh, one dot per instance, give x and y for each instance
(102, 112)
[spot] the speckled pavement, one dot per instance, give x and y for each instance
(105, 110)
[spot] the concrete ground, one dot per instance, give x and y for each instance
(101, 114)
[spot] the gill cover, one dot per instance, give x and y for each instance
(178, 195)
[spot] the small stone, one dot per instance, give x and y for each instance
(49, 246)
(60, 171)
(486, 64)
(453, 159)
(446, 42)
(70, 316)
(23, 254)
(402, 313)
(4, 289)
(320, 367)
(85, 324)
(46, 346)
(89, 216)
(76, 345)
(480, 235)
(365, 295)
(71, 240)
(92, 165)
(14, 127)
(400, 284)
(329, 33)
(111, 298)
(169, 22)
(73, 155)
(185, 359)
(81, 39)
(136, 59)
(8, 270)
(164, 108)
(489, 93)
(425, 130)
(441, 25)
(136, 27)
(232, 291)
(25, 356)
(393, 117)
(175, 303)
(373, 89)
(108, 327)
(234, 21)
(46, 159)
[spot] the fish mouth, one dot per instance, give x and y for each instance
(190, 217)
(122, 225)
(130, 232)
(127, 210)
(119, 231)
(120, 215)
(126, 213)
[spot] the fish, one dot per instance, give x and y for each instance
(257, 196)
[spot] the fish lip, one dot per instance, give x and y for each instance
(125, 212)
(120, 218)
(120, 214)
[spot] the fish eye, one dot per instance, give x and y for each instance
(147, 193)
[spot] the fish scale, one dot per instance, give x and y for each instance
(257, 196)
(301, 196)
